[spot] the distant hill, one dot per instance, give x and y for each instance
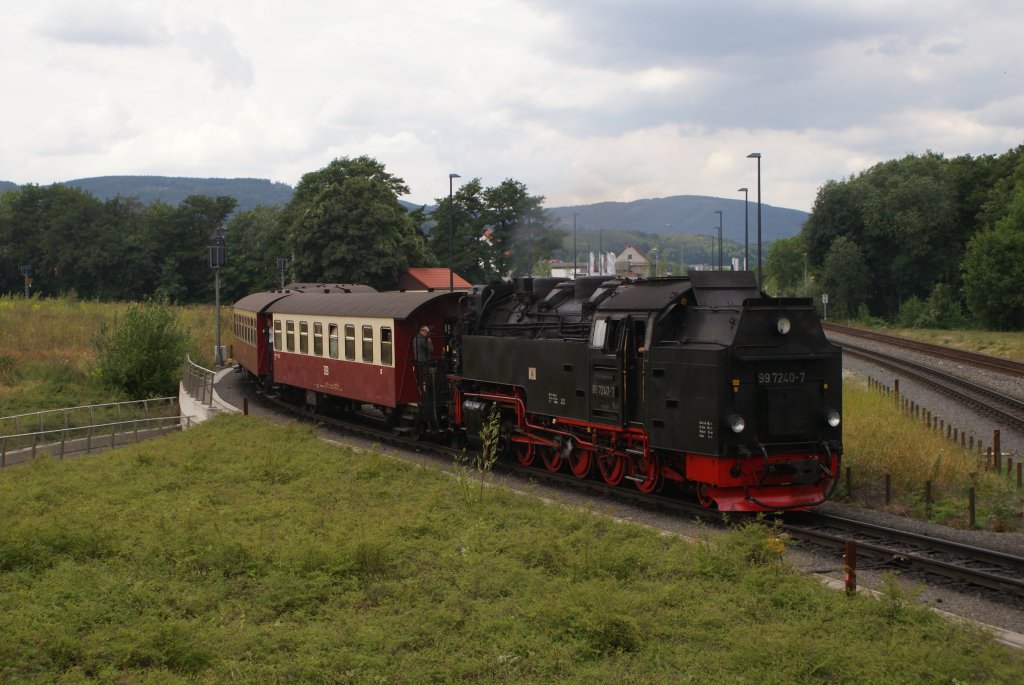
(677, 215)
(249, 192)
(684, 215)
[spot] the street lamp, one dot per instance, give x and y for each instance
(760, 276)
(26, 272)
(282, 264)
(746, 229)
(217, 259)
(451, 233)
(574, 245)
(719, 213)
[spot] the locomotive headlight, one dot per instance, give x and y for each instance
(737, 423)
(782, 325)
(832, 418)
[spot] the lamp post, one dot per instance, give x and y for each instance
(746, 229)
(451, 233)
(282, 264)
(719, 213)
(217, 259)
(760, 276)
(574, 245)
(26, 272)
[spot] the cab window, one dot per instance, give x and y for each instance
(303, 337)
(289, 335)
(277, 335)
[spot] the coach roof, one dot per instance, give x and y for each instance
(257, 302)
(386, 305)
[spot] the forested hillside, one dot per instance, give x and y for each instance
(923, 240)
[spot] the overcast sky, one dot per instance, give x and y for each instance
(581, 100)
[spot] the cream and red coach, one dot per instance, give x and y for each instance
(347, 348)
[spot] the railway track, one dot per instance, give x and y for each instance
(976, 359)
(972, 566)
(1005, 408)
(900, 549)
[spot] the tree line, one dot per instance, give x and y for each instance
(344, 224)
(922, 241)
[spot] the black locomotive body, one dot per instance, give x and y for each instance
(700, 381)
(696, 380)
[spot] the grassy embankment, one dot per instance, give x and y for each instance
(244, 551)
(47, 351)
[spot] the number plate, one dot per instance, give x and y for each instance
(780, 377)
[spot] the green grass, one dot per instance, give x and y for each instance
(47, 353)
(242, 551)
(880, 440)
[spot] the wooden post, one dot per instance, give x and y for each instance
(970, 509)
(850, 566)
(997, 449)
(245, 406)
(888, 489)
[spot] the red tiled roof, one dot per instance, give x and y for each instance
(423, 278)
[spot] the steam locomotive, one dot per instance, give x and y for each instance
(699, 382)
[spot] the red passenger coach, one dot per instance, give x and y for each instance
(252, 348)
(356, 346)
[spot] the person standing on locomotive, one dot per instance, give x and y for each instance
(422, 353)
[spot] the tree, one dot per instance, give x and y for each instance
(993, 270)
(345, 224)
(499, 231)
(786, 266)
(181, 238)
(255, 241)
(845, 277)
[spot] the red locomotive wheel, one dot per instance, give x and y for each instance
(552, 457)
(580, 461)
(703, 498)
(651, 472)
(612, 467)
(524, 452)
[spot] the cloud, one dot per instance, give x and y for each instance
(102, 24)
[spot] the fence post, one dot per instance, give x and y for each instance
(970, 509)
(850, 565)
(997, 449)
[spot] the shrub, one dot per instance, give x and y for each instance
(142, 351)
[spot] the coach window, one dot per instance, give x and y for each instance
(289, 335)
(318, 339)
(303, 337)
(385, 346)
(350, 342)
(277, 335)
(332, 340)
(367, 343)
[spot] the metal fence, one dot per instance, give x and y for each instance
(77, 430)
(198, 381)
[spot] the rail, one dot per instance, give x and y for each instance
(82, 429)
(198, 381)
